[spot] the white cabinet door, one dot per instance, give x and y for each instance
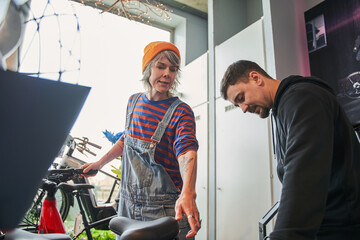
(243, 193)
(193, 82)
(246, 45)
(201, 117)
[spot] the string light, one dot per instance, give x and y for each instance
(140, 10)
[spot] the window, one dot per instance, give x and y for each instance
(78, 44)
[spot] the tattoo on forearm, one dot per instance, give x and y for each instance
(184, 166)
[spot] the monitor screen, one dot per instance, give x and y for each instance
(36, 116)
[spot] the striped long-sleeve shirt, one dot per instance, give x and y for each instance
(179, 136)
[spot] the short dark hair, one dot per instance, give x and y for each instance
(239, 71)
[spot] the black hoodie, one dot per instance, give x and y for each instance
(318, 158)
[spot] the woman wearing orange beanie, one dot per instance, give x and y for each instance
(158, 147)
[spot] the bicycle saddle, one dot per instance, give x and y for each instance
(19, 234)
(164, 228)
(72, 187)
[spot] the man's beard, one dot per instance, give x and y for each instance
(264, 113)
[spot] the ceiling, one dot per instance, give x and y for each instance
(201, 5)
(195, 7)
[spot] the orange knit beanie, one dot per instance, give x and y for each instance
(153, 48)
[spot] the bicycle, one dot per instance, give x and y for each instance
(50, 220)
(31, 219)
(94, 215)
(95, 211)
(80, 190)
(50, 225)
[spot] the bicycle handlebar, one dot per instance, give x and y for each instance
(71, 171)
(66, 174)
(73, 162)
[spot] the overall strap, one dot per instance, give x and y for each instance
(165, 121)
(132, 106)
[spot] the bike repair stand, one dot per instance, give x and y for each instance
(50, 219)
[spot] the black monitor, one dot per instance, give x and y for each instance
(36, 116)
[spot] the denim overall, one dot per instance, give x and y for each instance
(147, 191)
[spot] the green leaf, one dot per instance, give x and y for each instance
(117, 170)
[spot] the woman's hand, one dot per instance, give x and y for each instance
(186, 207)
(186, 204)
(90, 166)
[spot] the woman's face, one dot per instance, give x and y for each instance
(161, 79)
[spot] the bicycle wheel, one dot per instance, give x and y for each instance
(64, 201)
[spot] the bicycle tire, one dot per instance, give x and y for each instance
(63, 203)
